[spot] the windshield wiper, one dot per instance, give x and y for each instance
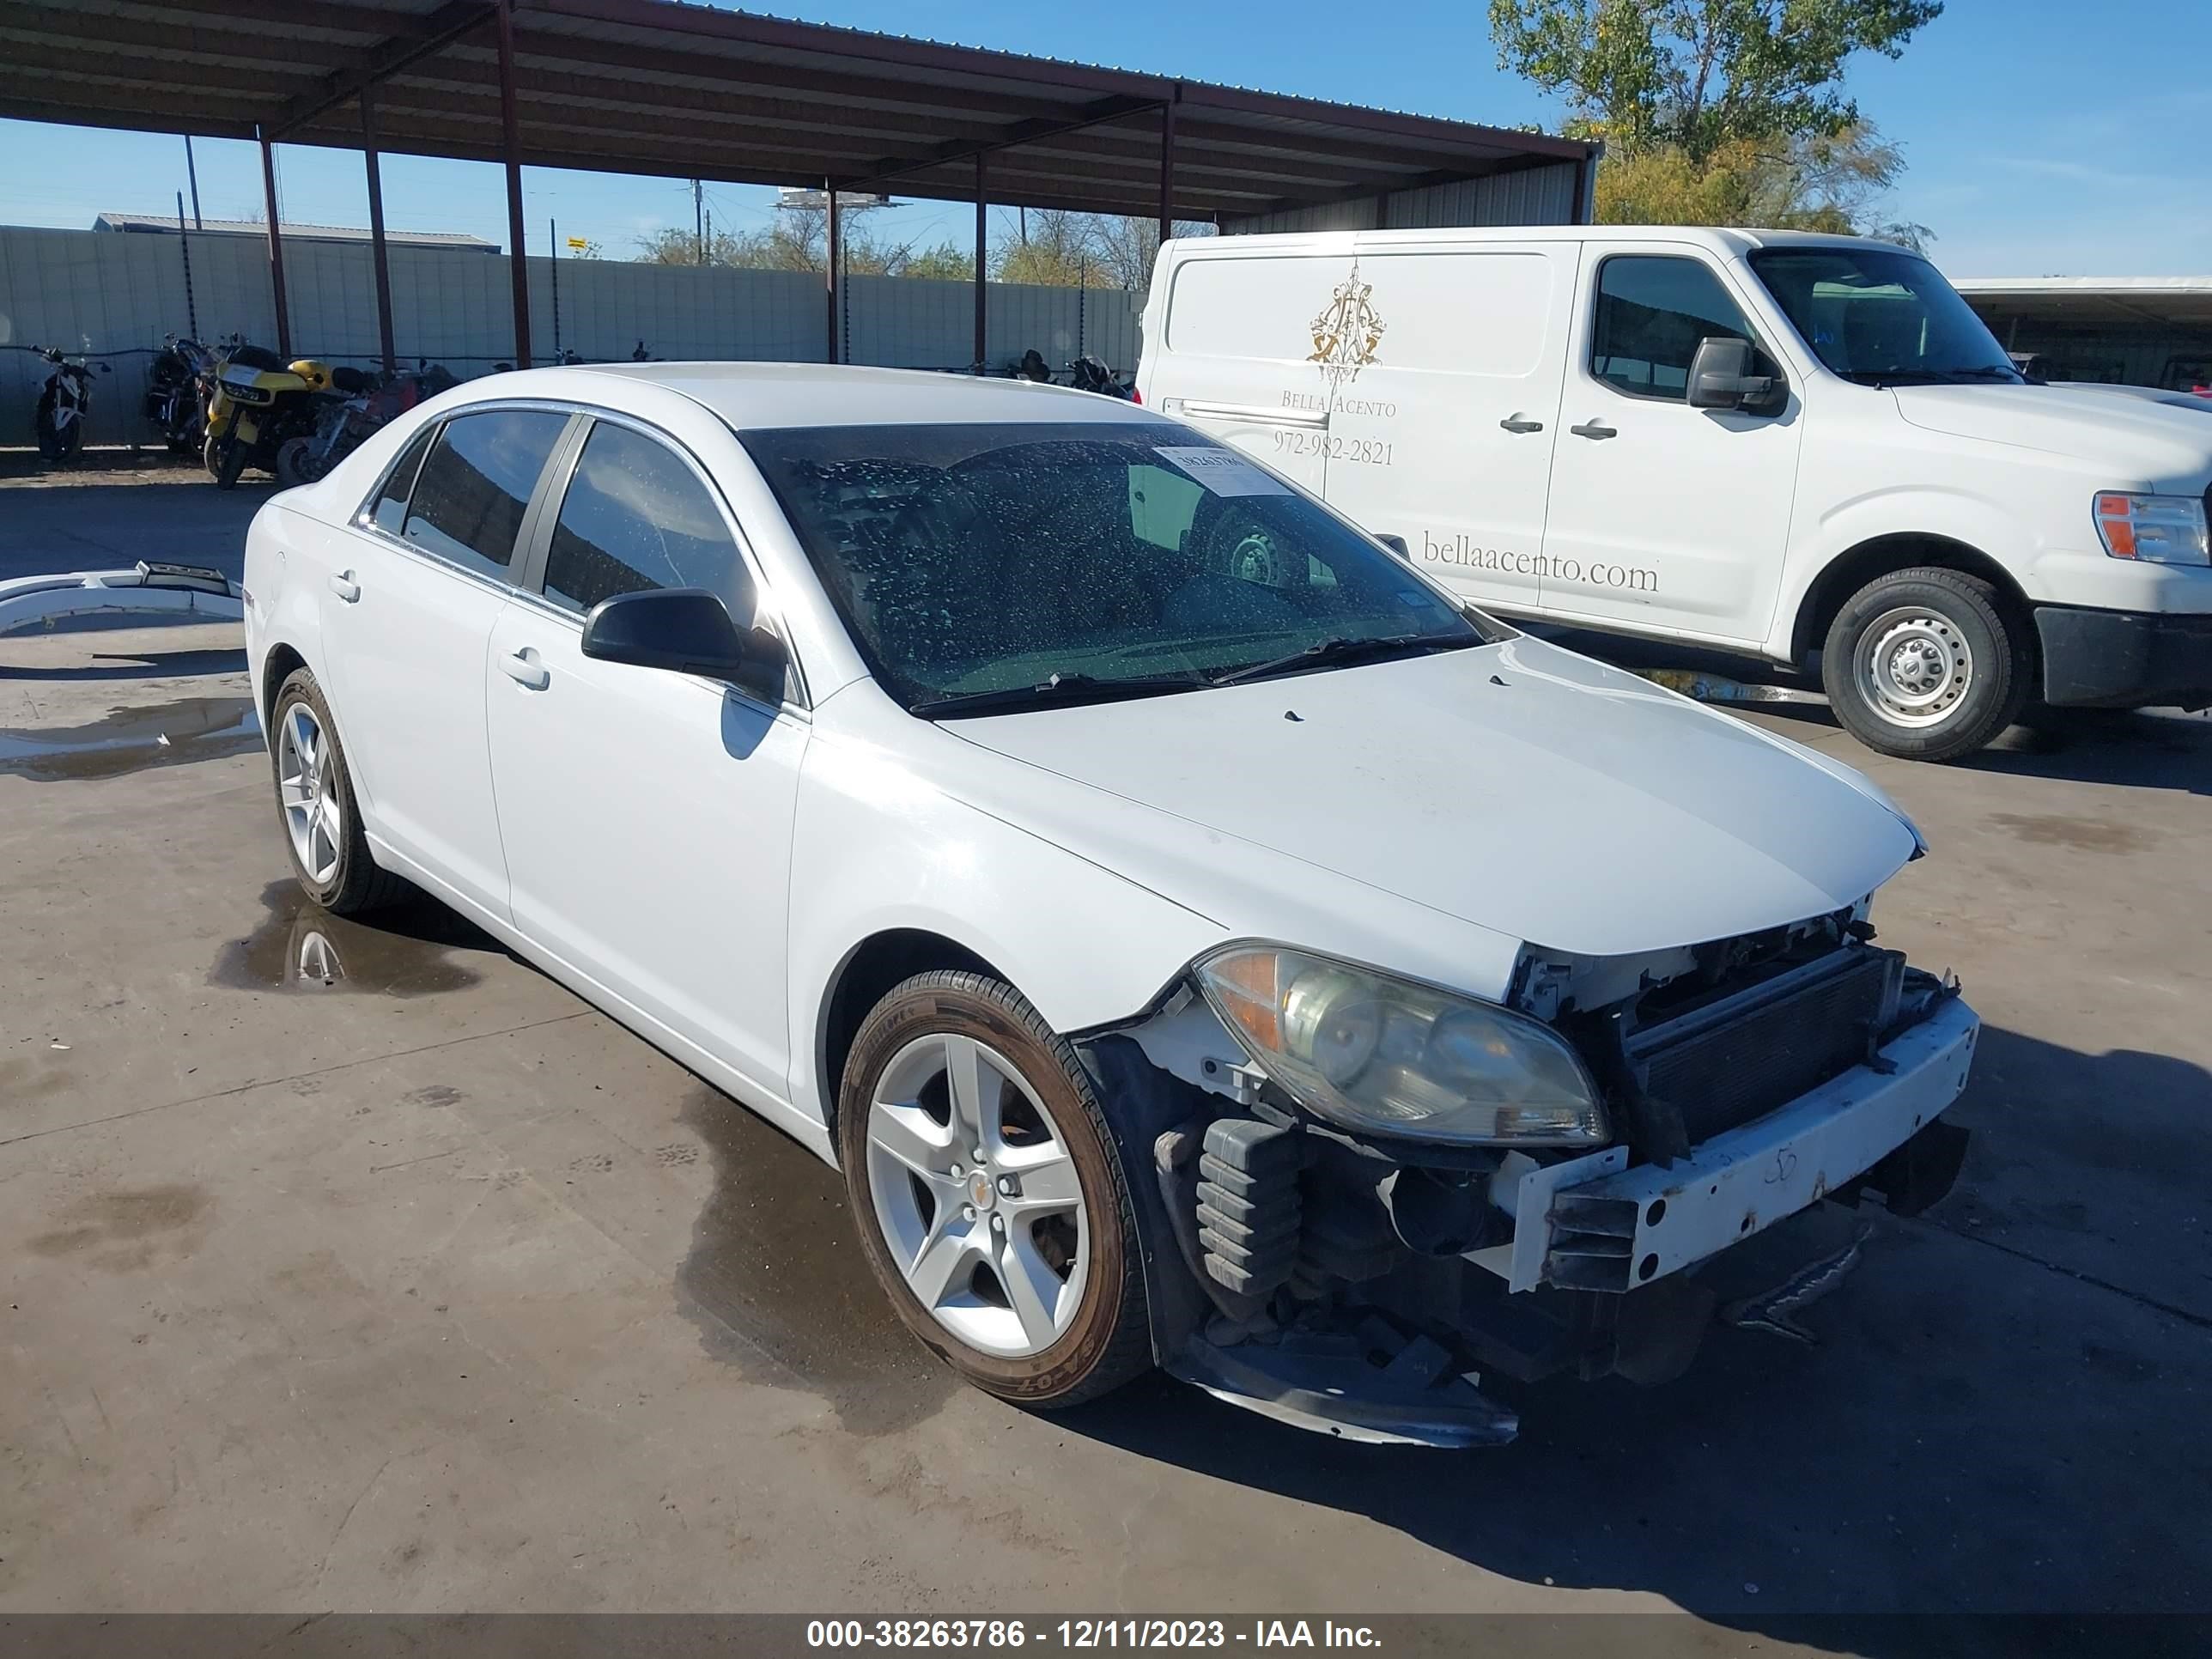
(1337, 650)
(1060, 688)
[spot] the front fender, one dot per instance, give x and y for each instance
(876, 847)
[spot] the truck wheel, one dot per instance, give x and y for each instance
(990, 1199)
(1922, 665)
(315, 795)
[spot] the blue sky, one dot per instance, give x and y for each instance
(2043, 137)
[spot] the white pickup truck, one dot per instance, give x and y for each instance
(1792, 447)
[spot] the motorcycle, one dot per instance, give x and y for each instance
(1087, 374)
(261, 404)
(176, 393)
(344, 426)
(64, 402)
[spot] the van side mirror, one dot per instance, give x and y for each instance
(1720, 377)
(686, 630)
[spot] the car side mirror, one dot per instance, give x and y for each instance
(1720, 377)
(686, 630)
(1395, 543)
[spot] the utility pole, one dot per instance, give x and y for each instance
(699, 218)
(193, 174)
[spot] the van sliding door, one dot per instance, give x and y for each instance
(1234, 364)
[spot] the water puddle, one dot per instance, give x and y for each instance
(133, 740)
(776, 1266)
(407, 952)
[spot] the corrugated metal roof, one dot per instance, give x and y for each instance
(675, 90)
(147, 223)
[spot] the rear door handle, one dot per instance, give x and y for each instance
(1521, 423)
(345, 587)
(526, 671)
(1594, 429)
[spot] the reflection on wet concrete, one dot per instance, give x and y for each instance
(775, 1268)
(406, 952)
(133, 739)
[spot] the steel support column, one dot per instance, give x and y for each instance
(830, 275)
(275, 246)
(982, 251)
(509, 145)
(377, 252)
(1167, 170)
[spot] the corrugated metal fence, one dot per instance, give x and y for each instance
(116, 295)
(1532, 196)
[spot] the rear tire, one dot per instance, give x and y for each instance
(315, 801)
(1030, 1261)
(294, 467)
(1924, 665)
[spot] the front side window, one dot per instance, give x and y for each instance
(1881, 316)
(1083, 560)
(636, 517)
(390, 514)
(1652, 311)
(476, 480)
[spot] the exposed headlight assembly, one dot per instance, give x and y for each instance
(1373, 1053)
(2158, 529)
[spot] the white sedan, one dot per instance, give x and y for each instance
(1198, 938)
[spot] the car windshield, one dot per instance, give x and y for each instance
(984, 567)
(1882, 317)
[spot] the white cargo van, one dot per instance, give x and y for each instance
(1782, 445)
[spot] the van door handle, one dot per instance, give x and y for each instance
(345, 587)
(1521, 423)
(1594, 429)
(526, 671)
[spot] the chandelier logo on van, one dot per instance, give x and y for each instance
(1347, 330)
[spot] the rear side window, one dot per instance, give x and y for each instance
(636, 517)
(390, 510)
(468, 503)
(1651, 312)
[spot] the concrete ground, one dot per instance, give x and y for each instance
(350, 1267)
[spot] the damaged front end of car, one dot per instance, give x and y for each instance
(1380, 1192)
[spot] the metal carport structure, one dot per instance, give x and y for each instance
(691, 91)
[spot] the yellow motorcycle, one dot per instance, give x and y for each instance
(259, 403)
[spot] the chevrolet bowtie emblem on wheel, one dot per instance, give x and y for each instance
(1347, 330)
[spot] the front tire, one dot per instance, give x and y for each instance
(315, 799)
(229, 462)
(1925, 665)
(1020, 1268)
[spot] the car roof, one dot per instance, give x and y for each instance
(754, 396)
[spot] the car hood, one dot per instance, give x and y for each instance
(2127, 442)
(1518, 787)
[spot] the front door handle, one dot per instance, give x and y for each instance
(1594, 429)
(1521, 423)
(526, 671)
(345, 587)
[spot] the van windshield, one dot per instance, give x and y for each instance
(981, 568)
(1882, 317)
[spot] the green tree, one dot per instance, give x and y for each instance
(1701, 73)
(1829, 182)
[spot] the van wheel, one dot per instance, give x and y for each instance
(989, 1198)
(1922, 665)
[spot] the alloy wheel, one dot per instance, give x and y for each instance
(308, 790)
(976, 1196)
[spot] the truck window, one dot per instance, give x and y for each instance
(1651, 312)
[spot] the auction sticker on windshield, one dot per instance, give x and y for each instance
(1223, 471)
